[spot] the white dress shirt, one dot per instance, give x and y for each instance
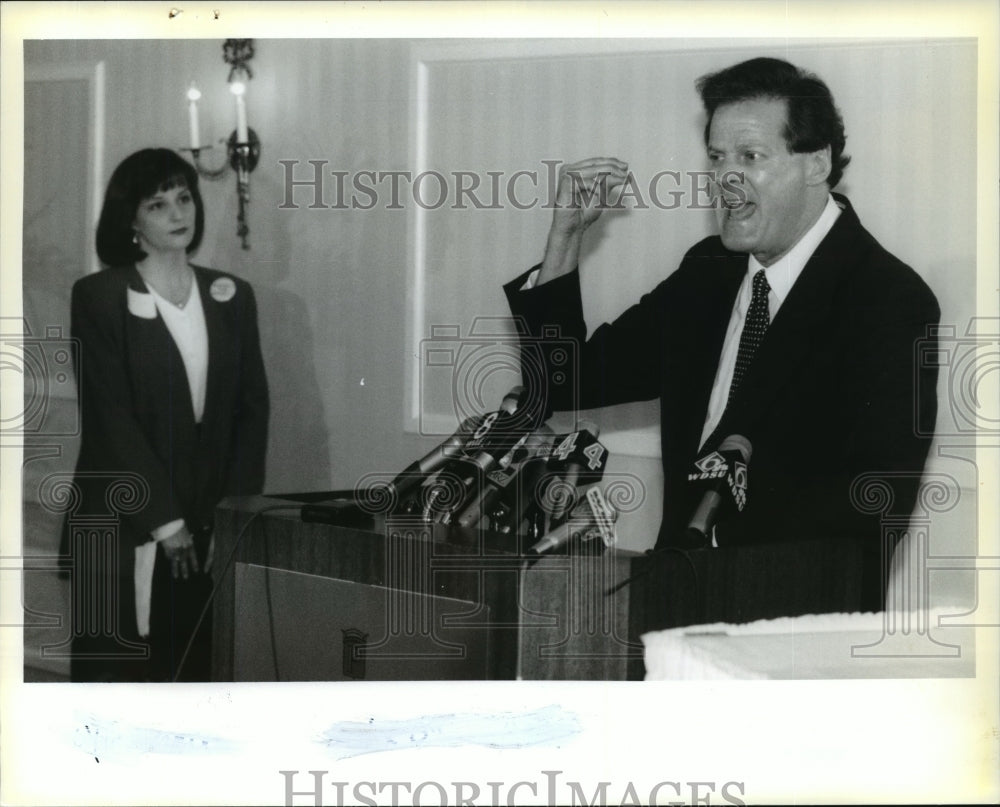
(781, 276)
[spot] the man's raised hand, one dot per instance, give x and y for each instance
(585, 190)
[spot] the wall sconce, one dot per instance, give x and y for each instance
(243, 146)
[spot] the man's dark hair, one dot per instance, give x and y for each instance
(139, 176)
(813, 120)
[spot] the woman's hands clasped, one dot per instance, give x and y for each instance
(180, 551)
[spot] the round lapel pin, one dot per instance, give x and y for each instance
(222, 290)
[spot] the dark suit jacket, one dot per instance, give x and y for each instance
(136, 410)
(833, 391)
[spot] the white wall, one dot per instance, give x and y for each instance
(347, 295)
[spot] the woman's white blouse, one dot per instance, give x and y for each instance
(187, 327)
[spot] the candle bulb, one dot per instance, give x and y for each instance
(242, 135)
(193, 96)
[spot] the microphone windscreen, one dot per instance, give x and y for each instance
(512, 400)
(737, 442)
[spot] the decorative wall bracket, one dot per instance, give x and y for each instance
(243, 146)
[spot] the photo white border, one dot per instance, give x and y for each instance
(794, 741)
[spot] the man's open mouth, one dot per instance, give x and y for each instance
(737, 209)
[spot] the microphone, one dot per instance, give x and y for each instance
(578, 457)
(520, 498)
(498, 481)
(725, 470)
(591, 518)
(498, 431)
(495, 436)
(415, 473)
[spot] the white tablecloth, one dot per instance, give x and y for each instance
(817, 646)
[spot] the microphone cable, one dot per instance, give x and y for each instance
(646, 563)
(222, 574)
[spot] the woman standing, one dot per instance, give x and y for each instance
(172, 394)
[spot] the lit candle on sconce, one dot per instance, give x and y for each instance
(238, 88)
(193, 95)
(242, 148)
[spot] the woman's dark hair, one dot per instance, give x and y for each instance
(138, 177)
(813, 120)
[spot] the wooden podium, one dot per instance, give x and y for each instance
(413, 601)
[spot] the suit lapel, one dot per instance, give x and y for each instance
(221, 339)
(802, 318)
(156, 357)
(704, 341)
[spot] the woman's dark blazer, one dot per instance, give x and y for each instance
(137, 417)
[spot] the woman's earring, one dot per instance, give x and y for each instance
(135, 237)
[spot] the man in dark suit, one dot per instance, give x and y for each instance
(793, 327)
